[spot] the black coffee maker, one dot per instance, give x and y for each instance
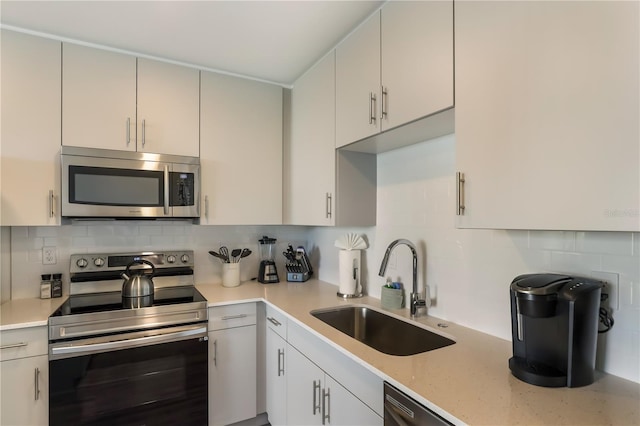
(554, 325)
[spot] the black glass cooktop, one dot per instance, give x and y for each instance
(113, 301)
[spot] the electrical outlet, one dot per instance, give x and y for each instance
(611, 283)
(49, 256)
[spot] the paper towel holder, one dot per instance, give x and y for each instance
(354, 273)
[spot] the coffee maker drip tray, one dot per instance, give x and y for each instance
(537, 373)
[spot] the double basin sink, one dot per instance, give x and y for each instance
(380, 331)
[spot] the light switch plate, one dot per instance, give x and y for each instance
(611, 287)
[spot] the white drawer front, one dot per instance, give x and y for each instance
(230, 316)
(277, 321)
(23, 342)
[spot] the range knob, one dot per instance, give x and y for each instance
(184, 258)
(171, 258)
(82, 263)
(98, 261)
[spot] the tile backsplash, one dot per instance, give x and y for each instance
(468, 272)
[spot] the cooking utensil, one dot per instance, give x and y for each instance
(245, 252)
(224, 252)
(235, 255)
(218, 255)
(138, 283)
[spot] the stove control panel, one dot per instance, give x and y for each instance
(98, 262)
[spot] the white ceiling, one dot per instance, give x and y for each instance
(274, 41)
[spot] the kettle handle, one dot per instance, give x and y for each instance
(141, 262)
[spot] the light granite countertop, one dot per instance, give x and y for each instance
(468, 382)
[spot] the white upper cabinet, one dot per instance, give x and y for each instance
(98, 99)
(115, 101)
(30, 130)
(358, 83)
(417, 60)
(310, 155)
(547, 107)
(241, 151)
(395, 68)
(168, 108)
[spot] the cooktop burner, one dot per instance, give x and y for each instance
(113, 301)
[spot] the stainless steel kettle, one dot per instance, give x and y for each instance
(138, 283)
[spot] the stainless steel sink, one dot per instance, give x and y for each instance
(380, 331)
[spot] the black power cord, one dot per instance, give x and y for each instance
(605, 317)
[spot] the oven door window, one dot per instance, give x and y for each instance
(162, 384)
(116, 187)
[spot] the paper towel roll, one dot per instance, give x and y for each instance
(349, 266)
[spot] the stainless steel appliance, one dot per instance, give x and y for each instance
(554, 324)
(402, 410)
(267, 273)
(113, 363)
(102, 183)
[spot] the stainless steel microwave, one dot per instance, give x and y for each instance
(99, 183)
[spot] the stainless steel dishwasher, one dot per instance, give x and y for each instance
(402, 410)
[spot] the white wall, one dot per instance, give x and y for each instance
(469, 271)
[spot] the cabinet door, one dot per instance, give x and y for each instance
(30, 105)
(310, 155)
(417, 60)
(24, 396)
(276, 380)
(547, 107)
(98, 98)
(345, 409)
(357, 82)
(168, 108)
(304, 390)
(241, 151)
(232, 375)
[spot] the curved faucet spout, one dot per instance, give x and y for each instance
(415, 299)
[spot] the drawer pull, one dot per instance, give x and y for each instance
(274, 321)
(14, 345)
(232, 317)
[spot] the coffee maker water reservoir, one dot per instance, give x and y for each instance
(554, 325)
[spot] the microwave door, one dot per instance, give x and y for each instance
(115, 188)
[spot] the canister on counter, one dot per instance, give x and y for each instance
(56, 285)
(45, 286)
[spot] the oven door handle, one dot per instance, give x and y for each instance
(124, 341)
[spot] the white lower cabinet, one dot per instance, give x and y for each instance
(24, 377)
(308, 382)
(232, 364)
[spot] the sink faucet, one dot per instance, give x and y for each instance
(416, 302)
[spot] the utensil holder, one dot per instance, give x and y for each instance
(392, 298)
(231, 274)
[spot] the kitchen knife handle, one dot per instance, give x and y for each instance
(460, 193)
(328, 205)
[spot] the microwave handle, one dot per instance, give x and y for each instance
(166, 190)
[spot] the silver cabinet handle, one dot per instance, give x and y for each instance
(215, 353)
(460, 193)
(52, 203)
(232, 317)
(372, 108)
(280, 363)
(326, 406)
(166, 190)
(206, 206)
(274, 321)
(316, 400)
(385, 99)
(128, 130)
(14, 345)
(36, 379)
(328, 205)
(143, 133)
